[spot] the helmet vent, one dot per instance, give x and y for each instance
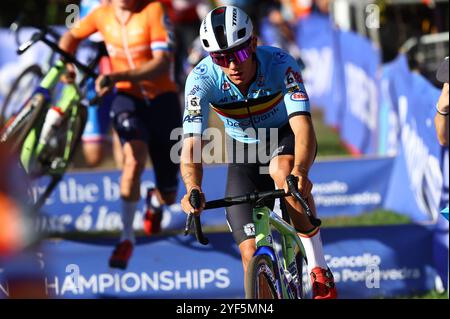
(206, 43)
(219, 31)
(241, 33)
(219, 11)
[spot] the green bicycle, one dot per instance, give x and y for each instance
(46, 144)
(272, 273)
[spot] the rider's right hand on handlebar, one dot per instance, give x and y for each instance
(103, 84)
(186, 205)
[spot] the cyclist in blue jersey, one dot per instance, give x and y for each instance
(254, 90)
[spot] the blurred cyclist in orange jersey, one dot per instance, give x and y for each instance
(18, 237)
(145, 109)
(95, 139)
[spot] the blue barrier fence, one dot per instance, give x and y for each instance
(90, 202)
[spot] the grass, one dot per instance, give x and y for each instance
(328, 141)
(373, 218)
(433, 294)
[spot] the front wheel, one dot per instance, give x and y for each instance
(260, 282)
(16, 130)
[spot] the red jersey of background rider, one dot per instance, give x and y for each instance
(182, 14)
(131, 44)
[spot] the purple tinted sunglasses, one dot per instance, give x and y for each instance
(237, 56)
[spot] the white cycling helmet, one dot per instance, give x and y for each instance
(224, 28)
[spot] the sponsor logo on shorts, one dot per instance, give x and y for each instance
(278, 151)
(249, 229)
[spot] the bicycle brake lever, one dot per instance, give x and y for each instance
(187, 227)
(292, 182)
(198, 231)
(34, 38)
(195, 202)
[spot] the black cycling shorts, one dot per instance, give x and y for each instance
(151, 121)
(244, 178)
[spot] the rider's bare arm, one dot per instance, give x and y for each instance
(191, 166)
(305, 144)
(192, 172)
(68, 42)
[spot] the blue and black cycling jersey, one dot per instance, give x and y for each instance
(276, 94)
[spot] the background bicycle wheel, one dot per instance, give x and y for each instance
(20, 92)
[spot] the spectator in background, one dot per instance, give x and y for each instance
(300, 9)
(184, 16)
(442, 108)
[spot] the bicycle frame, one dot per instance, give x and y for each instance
(69, 101)
(263, 219)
